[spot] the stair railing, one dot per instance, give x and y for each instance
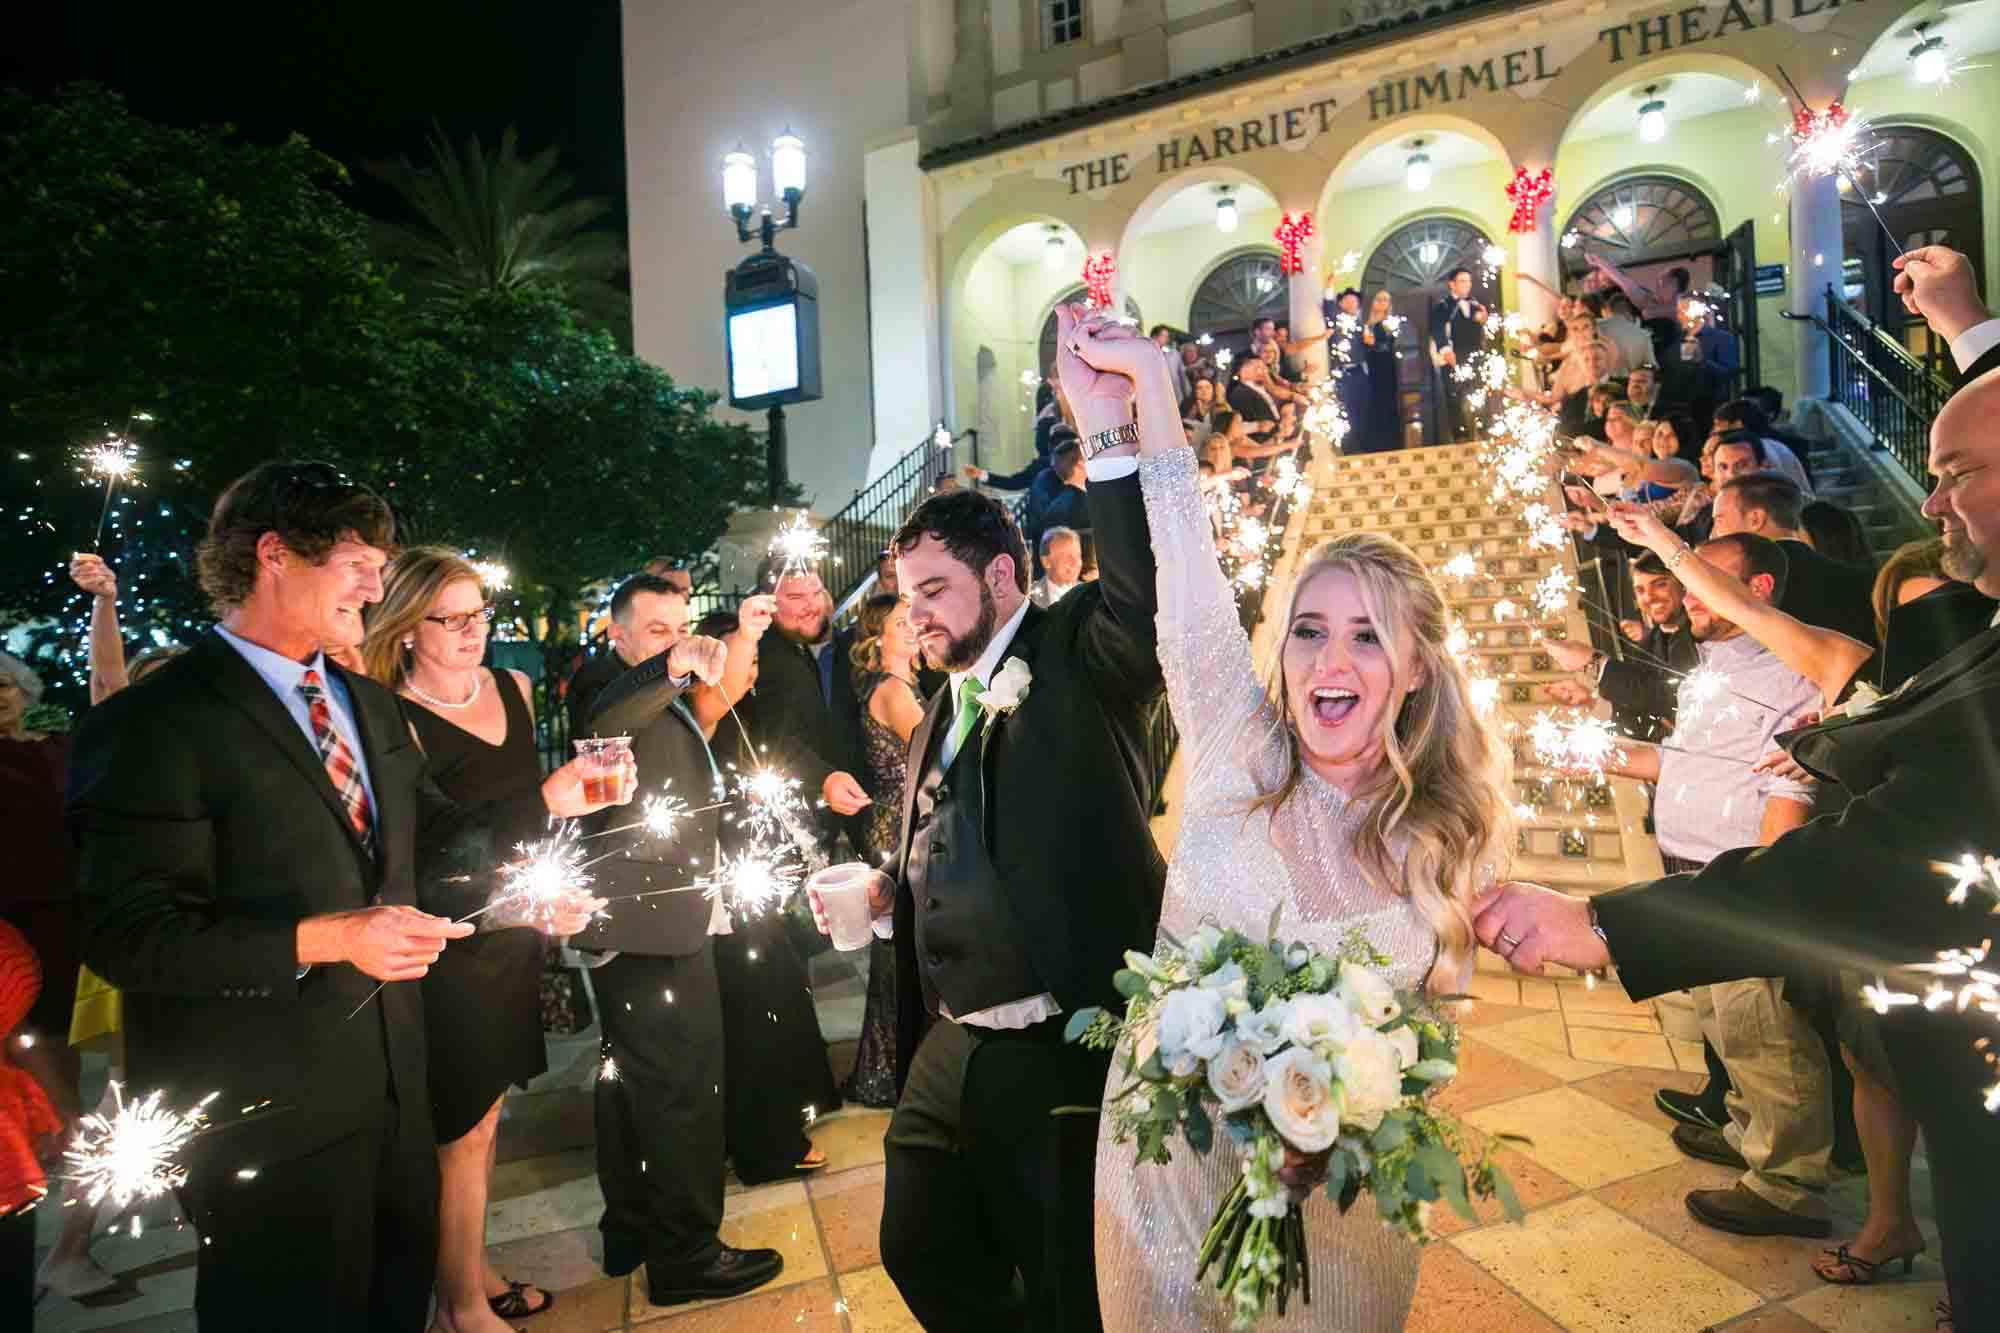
(1888, 390)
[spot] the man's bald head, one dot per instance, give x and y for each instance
(1965, 458)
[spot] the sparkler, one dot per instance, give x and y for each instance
(1223, 357)
(1552, 594)
(799, 545)
(1829, 143)
(493, 576)
(1971, 872)
(941, 437)
(548, 875)
(1461, 566)
(754, 880)
(1581, 744)
(111, 462)
(130, 1154)
(1350, 260)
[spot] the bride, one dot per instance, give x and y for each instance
(1357, 786)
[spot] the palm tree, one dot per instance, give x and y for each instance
(495, 222)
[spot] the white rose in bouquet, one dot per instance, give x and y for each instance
(1190, 1028)
(1317, 1020)
(1229, 982)
(1371, 998)
(1265, 1029)
(1371, 1079)
(1236, 1075)
(1299, 1098)
(1405, 1042)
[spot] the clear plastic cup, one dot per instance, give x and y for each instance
(843, 898)
(604, 767)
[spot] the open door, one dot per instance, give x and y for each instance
(1736, 270)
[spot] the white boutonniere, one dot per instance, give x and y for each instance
(1864, 699)
(1009, 687)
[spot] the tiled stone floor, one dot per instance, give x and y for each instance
(1607, 1244)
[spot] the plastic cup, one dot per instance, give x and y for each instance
(843, 897)
(604, 768)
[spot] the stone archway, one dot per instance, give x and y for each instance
(1927, 188)
(1639, 220)
(1412, 263)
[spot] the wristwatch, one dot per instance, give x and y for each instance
(1110, 439)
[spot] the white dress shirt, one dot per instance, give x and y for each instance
(1975, 342)
(283, 675)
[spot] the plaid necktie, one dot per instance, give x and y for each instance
(341, 770)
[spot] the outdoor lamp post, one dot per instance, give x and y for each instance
(770, 302)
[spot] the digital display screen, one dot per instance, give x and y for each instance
(764, 351)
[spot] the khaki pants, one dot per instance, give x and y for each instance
(1779, 1115)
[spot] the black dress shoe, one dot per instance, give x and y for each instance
(1709, 1145)
(731, 1273)
(624, 1251)
(1743, 1212)
(1690, 1108)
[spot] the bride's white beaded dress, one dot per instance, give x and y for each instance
(1233, 869)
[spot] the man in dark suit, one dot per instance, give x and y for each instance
(1864, 890)
(1818, 590)
(1027, 868)
(254, 823)
(660, 1117)
(1457, 332)
(1068, 508)
(802, 682)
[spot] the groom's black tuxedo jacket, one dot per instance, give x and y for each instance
(1922, 769)
(1064, 790)
(207, 830)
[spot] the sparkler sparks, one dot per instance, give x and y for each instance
(660, 815)
(1552, 594)
(549, 874)
(1580, 744)
(493, 576)
(1223, 356)
(113, 461)
(799, 545)
(1971, 872)
(1461, 566)
(130, 1154)
(753, 881)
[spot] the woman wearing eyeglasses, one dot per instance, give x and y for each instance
(482, 1009)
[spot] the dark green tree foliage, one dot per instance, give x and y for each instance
(498, 222)
(218, 303)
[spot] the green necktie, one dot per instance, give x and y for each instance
(969, 691)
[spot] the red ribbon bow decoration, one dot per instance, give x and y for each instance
(1529, 192)
(1098, 271)
(1291, 234)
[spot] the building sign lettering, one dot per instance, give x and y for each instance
(1398, 97)
(1685, 27)
(1280, 127)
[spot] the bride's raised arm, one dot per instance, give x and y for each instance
(1204, 653)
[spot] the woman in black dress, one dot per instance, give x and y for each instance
(885, 664)
(482, 1006)
(776, 1080)
(1382, 421)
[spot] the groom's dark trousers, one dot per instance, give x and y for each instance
(1025, 869)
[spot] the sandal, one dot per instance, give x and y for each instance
(1861, 1272)
(513, 1302)
(813, 1162)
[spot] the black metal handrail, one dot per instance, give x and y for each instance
(1890, 391)
(862, 528)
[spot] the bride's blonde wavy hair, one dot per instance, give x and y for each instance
(1446, 783)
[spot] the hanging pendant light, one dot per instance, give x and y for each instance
(1652, 117)
(1225, 209)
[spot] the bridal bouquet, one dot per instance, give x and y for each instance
(1312, 1061)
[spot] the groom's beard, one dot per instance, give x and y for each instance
(962, 653)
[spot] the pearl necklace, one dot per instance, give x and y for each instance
(478, 683)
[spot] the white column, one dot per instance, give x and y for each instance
(1535, 256)
(1816, 260)
(1308, 320)
(906, 317)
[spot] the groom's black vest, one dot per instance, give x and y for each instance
(969, 952)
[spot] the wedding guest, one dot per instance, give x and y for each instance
(1062, 558)
(1251, 398)
(482, 998)
(1921, 612)
(1457, 333)
(885, 661)
(791, 712)
(1381, 424)
(659, 1098)
(28, 1127)
(1836, 533)
(252, 827)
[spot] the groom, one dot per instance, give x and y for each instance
(1026, 868)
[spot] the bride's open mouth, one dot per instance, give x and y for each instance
(1331, 704)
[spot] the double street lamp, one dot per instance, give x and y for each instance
(770, 302)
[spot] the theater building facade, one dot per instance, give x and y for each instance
(1207, 163)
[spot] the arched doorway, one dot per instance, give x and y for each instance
(1412, 264)
(1642, 220)
(1238, 292)
(1927, 190)
(1046, 346)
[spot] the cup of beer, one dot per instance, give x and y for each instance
(603, 760)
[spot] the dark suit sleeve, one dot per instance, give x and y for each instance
(146, 872)
(1017, 481)
(1860, 889)
(637, 699)
(1118, 637)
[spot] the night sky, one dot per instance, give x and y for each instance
(361, 79)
